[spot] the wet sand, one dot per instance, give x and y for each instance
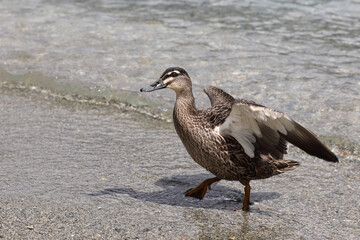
(70, 171)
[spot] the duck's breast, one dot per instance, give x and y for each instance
(204, 144)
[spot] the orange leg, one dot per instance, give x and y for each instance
(200, 191)
(246, 202)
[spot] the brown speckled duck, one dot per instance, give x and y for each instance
(235, 139)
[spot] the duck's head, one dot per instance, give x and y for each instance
(174, 78)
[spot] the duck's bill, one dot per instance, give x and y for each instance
(155, 86)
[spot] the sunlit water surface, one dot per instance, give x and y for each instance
(300, 57)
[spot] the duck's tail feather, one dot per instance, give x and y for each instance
(285, 166)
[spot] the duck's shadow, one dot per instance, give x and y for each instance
(219, 197)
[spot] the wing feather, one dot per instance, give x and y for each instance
(247, 122)
(258, 128)
(308, 142)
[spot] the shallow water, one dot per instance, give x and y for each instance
(298, 57)
(75, 67)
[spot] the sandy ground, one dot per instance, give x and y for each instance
(72, 172)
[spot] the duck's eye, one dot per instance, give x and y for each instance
(174, 74)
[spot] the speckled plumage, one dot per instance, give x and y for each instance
(235, 139)
(223, 156)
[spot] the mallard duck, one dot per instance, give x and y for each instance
(235, 139)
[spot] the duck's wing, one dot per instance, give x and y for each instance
(218, 96)
(221, 103)
(264, 130)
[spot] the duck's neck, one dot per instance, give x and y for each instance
(185, 101)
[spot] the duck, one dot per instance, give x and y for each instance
(235, 139)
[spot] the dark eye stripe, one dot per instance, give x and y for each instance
(169, 82)
(177, 70)
(174, 74)
(169, 74)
